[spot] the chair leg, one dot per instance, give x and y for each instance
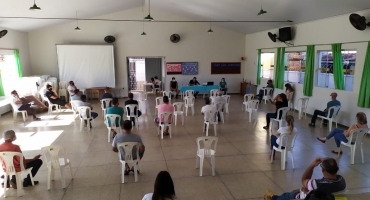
(175, 120)
(123, 172)
(109, 130)
(362, 154)
(170, 131)
(186, 111)
(61, 170)
(283, 157)
(272, 155)
(162, 132)
(197, 162)
(250, 115)
(213, 165)
(330, 124)
(207, 129)
(353, 150)
(70, 169)
(19, 185)
(135, 170)
(192, 110)
(292, 158)
(215, 129)
(201, 166)
(5, 181)
(182, 119)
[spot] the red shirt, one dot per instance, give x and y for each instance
(8, 146)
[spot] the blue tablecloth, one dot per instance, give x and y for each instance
(200, 88)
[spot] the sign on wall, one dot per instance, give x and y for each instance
(225, 68)
(184, 68)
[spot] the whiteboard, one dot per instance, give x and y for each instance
(87, 65)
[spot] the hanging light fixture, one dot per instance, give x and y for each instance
(261, 12)
(210, 28)
(149, 18)
(34, 7)
(143, 33)
(77, 28)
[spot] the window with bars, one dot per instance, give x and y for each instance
(295, 63)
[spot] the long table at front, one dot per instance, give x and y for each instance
(199, 88)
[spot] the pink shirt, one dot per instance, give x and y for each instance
(165, 108)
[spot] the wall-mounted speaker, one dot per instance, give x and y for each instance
(109, 39)
(285, 34)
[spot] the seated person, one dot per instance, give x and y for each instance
(275, 139)
(262, 91)
(342, 135)
(155, 82)
(218, 99)
(76, 95)
(333, 102)
(223, 86)
(34, 163)
(331, 182)
(115, 109)
(174, 87)
(106, 95)
(206, 108)
(165, 107)
(84, 103)
(71, 87)
(54, 99)
(19, 104)
(163, 188)
(281, 102)
(127, 136)
(288, 89)
(132, 101)
(194, 82)
(319, 195)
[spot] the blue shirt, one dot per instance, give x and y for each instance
(115, 110)
(331, 104)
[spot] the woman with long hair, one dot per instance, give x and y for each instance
(281, 101)
(341, 135)
(288, 89)
(163, 188)
(275, 138)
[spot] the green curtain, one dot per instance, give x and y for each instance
(18, 61)
(309, 71)
(364, 95)
(280, 68)
(259, 67)
(338, 66)
(1, 87)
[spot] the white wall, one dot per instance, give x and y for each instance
(18, 40)
(195, 45)
(326, 31)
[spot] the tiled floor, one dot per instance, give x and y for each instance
(243, 169)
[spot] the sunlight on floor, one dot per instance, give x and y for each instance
(35, 140)
(60, 120)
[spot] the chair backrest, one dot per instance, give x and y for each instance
(167, 116)
(213, 92)
(357, 135)
(248, 97)
(189, 101)
(63, 85)
(253, 104)
(267, 92)
(178, 106)
(74, 105)
(287, 140)
(130, 110)
(51, 153)
(106, 103)
(290, 96)
(207, 144)
(189, 93)
(112, 118)
(167, 93)
(8, 157)
(333, 112)
(84, 112)
(219, 106)
(143, 96)
(210, 116)
(127, 148)
(303, 102)
(14, 107)
(227, 97)
(281, 113)
(158, 101)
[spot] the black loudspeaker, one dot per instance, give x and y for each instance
(109, 39)
(285, 34)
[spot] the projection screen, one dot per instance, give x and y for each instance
(88, 66)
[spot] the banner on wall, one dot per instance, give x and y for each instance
(184, 68)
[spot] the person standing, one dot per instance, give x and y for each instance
(174, 87)
(333, 102)
(194, 82)
(20, 106)
(223, 86)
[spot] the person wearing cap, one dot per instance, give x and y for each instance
(20, 106)
(35, 163)
(333, 102)
(174, 87)
(331, 182)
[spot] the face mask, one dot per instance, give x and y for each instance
(50, 89)
(223, 80)
(268, 83)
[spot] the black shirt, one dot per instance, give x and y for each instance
(192, 82)
(280, 104)
(49, 94)
(131, 101)
(106, 96)
(174, 84)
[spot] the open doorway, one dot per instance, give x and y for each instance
(8, 72)
(141, 69)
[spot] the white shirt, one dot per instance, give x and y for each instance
(207, 108)
(282, 130)
(15, 99)
(70, 87)
(150, 196)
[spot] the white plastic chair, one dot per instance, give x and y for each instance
(165, 123)
(290, 100)
(16, 111)
(7, 158)
(142, 98)
(355, 136)
(105, 104)
(247, 97)
(158, 101)
(210, 118)
(51, 106)
(287, 140)
(213, 92)
(219, 107)
(85, 114)
(206, 151)
(251, 107)
(74, 104)
(54, 162)
(132, 108)
(227, 97)
(189, 103)
(63, 90)
(189, 93)
(302, 107)
(335, 111)
(281, 115)
(129, 158)
(178, 110)
(267, 94)
(168, 94)
(112, 119)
